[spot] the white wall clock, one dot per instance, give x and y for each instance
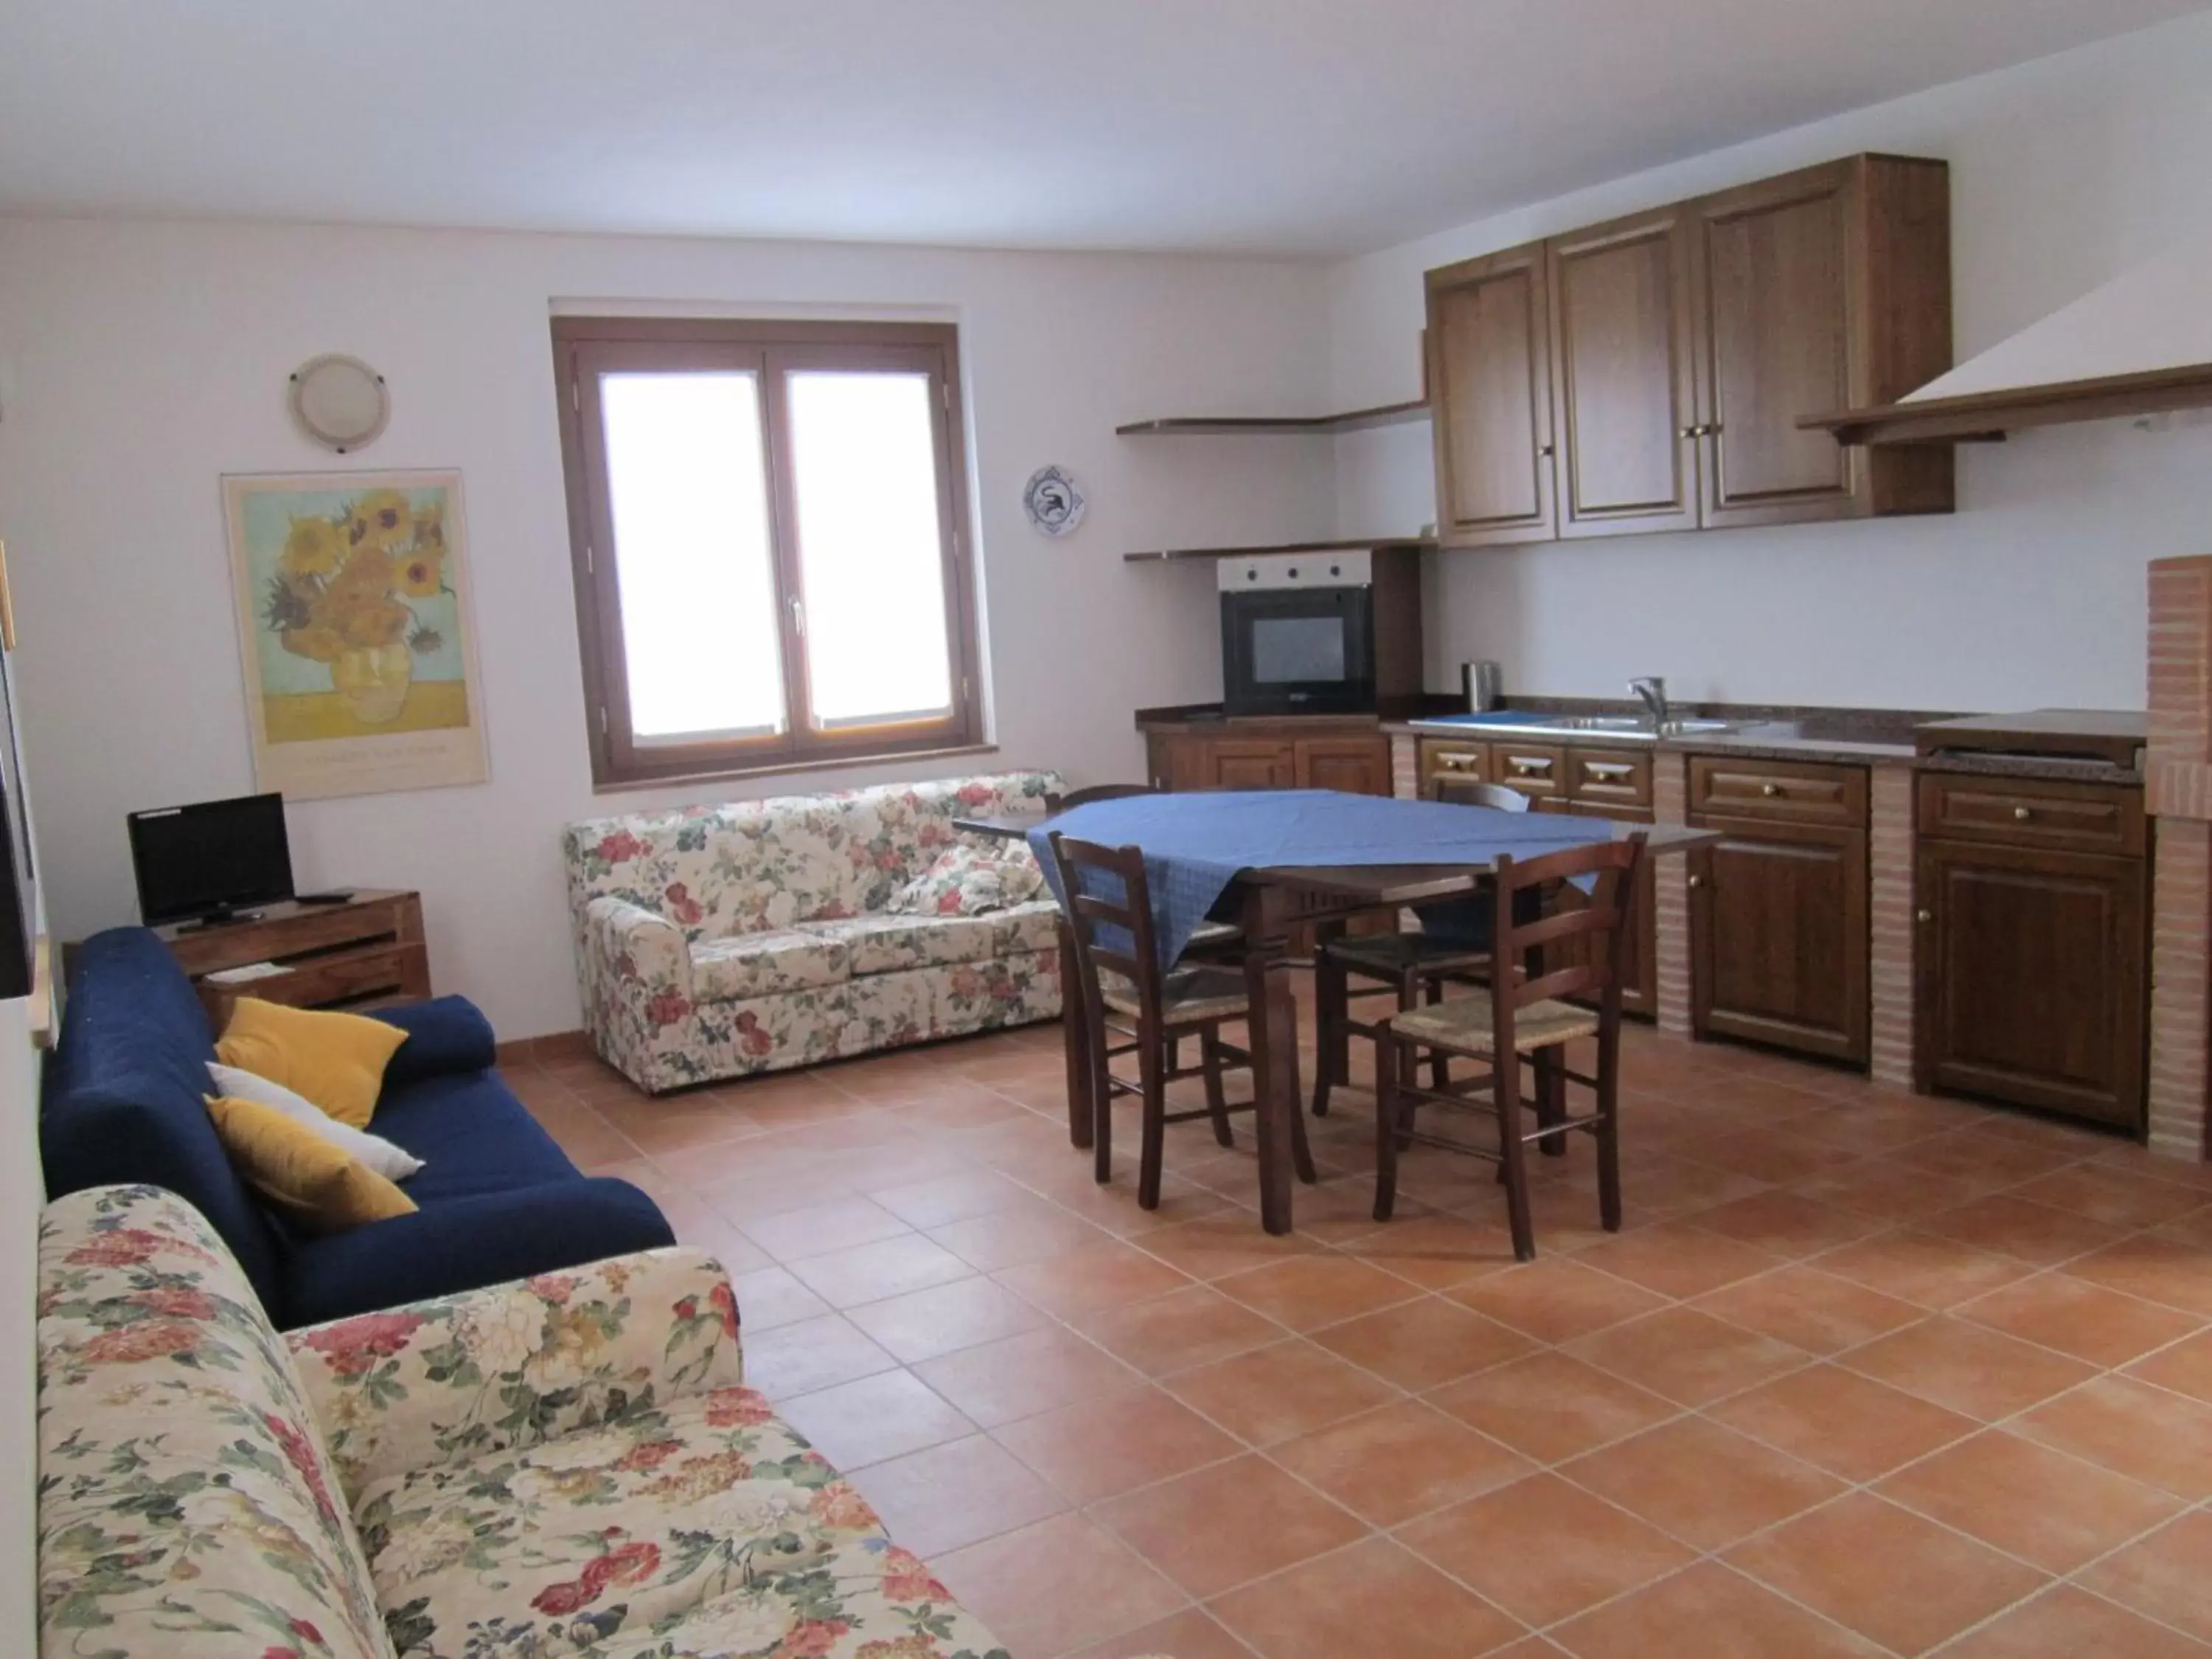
(1052, 500)
(338, 401)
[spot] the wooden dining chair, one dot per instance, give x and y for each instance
(1521, 1014)
(1211, 938)
(1410, 966)
(1125, 993)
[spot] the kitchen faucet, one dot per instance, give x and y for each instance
(1652, 690)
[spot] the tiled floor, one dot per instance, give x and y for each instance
(1866, 1374)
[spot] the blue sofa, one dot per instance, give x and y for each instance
(125, 1102)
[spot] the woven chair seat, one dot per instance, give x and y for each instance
(1188, 996)
(1466, 1024)
(1386, 955)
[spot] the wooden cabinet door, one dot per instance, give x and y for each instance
(1490, 394)
(1180, 760)
(1773, 343)
(1625, 391)
(2031, 967)
(1253, 763)
(1360, 766)
(1778, 937)
(1444, 757)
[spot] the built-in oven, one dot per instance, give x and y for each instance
(1297, 633)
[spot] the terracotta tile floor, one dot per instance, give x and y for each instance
(1865, 1374)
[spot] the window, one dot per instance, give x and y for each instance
(766, 519)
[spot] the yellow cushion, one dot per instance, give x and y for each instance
(335, 1060)
(322, 1187)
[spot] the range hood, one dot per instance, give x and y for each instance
(2139, 344)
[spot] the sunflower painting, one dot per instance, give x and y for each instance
(353, 621)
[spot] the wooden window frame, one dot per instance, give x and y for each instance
(584, 348)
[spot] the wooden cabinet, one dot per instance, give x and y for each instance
(2032, 959)
(366, 953)
(1490, 363)
(1682, 347)
(1270, 755)
(1621, 376)
(1778, 941)
(1593, 782)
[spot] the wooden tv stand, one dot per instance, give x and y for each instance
(364, 953)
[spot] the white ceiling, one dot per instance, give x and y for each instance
(1293, 126)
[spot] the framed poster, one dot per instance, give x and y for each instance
(353, 631)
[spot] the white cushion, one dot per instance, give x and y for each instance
(392, 1162)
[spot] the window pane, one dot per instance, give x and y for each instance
(690, 500)
(863, 472)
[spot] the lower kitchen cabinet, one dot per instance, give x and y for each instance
(1357, 766)
(2031, 968)
(1253, 763)
(1778, 937)
(1269, 754)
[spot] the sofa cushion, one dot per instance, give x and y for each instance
(764, 964)
(316, 1185)
(968, 881)
(186, 1508)
(885, 943)
(125, 1091)
(1032, 926)
(335, 1059)
(605, 1531)
(473, 1137)
(445, 1033)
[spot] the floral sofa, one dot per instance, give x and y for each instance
(563, 1465)
(716, 941)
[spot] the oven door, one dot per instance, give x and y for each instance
(1297, 652)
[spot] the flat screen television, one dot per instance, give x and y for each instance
(211, 861)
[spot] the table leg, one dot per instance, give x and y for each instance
(1075, 1038)
(1272, 1036)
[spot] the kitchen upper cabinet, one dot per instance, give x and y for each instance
(1490, 364)
(1685, 344)
(2032, 959)
(1621, 373)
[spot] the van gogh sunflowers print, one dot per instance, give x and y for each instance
(355, 631)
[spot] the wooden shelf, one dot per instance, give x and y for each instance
(1983, 416)
(1341, 545)
(1358, 420)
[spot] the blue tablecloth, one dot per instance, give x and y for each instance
(1195, 844)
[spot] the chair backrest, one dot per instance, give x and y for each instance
(1109, 915)
(1600, 924)
(1054, 805)
(1468, 791)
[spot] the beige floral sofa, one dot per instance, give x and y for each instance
(716, 941)
(566, 1465)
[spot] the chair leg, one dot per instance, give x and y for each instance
(1102, 1107)
(1216, 1102)
(1152, 1056)
(1608, 1131)
(1332, 1042)
(1439, 1062)
(1386, 1124)
(1551, 1098)
(1515, 1162)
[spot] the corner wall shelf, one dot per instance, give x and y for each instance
(1358, 420)
(1341, 545)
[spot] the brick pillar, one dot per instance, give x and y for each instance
(1891, 925)
(2180, 1021)
(1405, 766)
(1670, 804)
(2177, 794)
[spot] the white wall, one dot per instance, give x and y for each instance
(2063, 173)
(139, 362)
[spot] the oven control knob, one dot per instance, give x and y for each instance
(1294, 572)
(1251, 575)
(1335, 570)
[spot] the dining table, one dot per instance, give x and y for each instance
(1271, 902)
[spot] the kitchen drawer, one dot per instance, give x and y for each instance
(1534, 768)
(2085, 818)
(1609, 777)
(1786, 792)
(1446, 759)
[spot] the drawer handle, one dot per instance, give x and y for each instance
(1608, 768)
(1526, 769)
(2021, 814)
(1926, 916)
(1770, 789)
(1457, 762)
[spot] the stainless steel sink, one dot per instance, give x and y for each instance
(1627, 728)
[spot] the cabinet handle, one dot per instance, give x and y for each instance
(2021, 815)
(1697, 881)
(1544, 451)
(1771, 789)
(1692, 431)
(1926, 916)
(1608, 768)
(1712, 430)
(1523, 768)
